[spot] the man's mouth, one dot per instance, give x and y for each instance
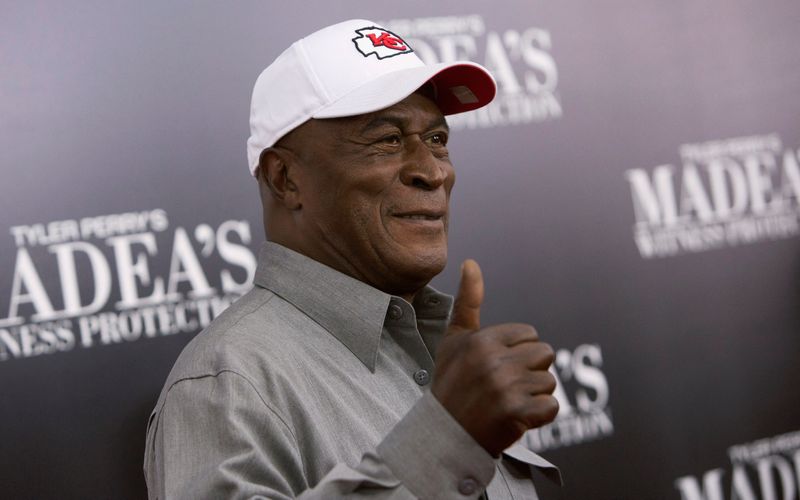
(430, 222)
(419, 216)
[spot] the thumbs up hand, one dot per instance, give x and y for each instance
(493, 381)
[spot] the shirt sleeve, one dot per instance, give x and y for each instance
(215, 437)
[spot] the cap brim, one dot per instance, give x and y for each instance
(459, 86)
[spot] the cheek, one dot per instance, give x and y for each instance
(352, 198)
(362, 218)
(355, 214)
(365, 197)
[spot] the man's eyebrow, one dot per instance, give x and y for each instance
(439, 121)
(401, 122)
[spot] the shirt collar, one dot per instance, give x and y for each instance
(350, 310)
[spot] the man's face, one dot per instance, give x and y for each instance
(374, 191)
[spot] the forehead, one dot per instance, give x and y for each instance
(414, 112)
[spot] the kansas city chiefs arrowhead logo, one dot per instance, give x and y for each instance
(381, 42)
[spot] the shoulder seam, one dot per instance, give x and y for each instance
(269, 407)
(245, 315)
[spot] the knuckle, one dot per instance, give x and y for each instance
(548, 354)
(478, 340)
(549, 383)
(483, 347)
(525, 329)
(542, 356)
(553, 408)
(545, 409)
(531, 331)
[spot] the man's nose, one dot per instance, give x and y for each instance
(421, 168)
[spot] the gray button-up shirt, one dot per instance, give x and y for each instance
(315, 385)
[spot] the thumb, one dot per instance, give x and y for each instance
(467, 307)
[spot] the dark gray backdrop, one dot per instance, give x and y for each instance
(672, 366)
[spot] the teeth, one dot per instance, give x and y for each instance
(420, 217)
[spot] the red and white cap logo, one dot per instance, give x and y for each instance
(381, 42)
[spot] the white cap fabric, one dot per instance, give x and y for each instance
(352, 68)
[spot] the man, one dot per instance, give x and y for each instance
(320, 382)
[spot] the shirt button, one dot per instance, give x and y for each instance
(467, 486)
(395, 311)
(422, 377)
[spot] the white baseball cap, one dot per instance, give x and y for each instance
(352, 68)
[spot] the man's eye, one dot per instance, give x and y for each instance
(439, 138)
(392, 140)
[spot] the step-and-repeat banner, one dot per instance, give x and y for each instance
(632, 192)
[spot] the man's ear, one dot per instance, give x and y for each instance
(276, 174)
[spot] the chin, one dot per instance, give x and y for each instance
(421, 266)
